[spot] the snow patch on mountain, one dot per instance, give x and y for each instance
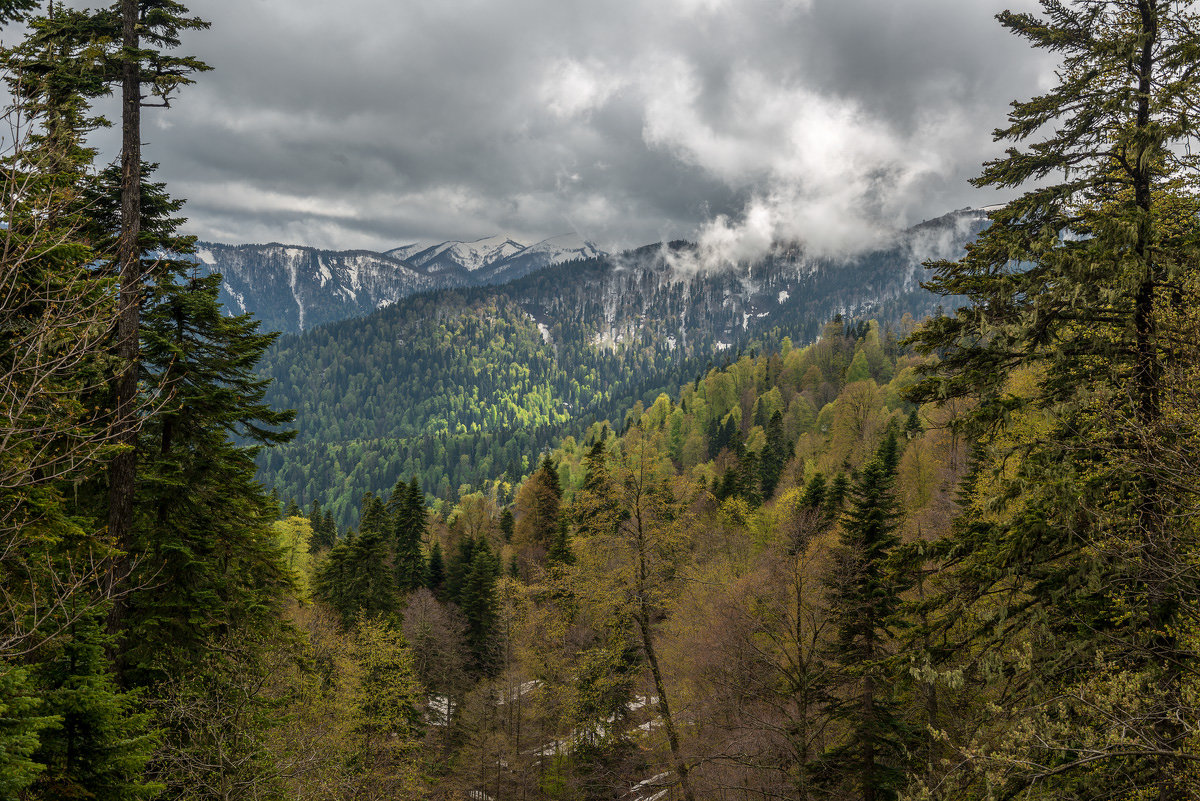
(471, 256)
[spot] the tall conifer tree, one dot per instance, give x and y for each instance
(1081, 545)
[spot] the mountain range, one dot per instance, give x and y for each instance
(464, 384)
(294, 288)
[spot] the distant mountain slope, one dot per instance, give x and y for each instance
(292, 288)
(464, 385)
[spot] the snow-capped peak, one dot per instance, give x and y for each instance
(564, 247)
(471, 256)
(404, 252)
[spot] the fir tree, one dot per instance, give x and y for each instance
(506, 524)
(865, 596)
(20, 723)
(100, 743)
(435, 575)
(478, 603)
(775, 455)
(410, 528)
(1072, 284)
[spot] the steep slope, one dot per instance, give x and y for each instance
(465, 385)
(548, 252)
(467, 256)
(295, 288)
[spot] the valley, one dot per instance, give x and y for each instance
(464, 387)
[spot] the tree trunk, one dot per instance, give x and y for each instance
(643, 621)
(123, 469)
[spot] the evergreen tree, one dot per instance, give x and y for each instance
(435, 576)
(560, 550)
(595, 507)
(410, 519)
(374, 519)
(479, 606)
(209, 563)
(147, 31)
(20, 724)
(1072, 285)
(458, 568)
(865, 596)
(100, 744)
(775, 455)
(357, 578)
(538, 504)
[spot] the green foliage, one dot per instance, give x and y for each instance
(100, 743)
(357, 578)
(20, 724)
(410, 527)
(864, 599)
(1071, 526)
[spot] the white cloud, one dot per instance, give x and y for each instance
(572, 88)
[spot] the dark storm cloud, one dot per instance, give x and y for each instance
(371, 123)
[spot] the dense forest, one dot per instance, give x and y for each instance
(466, 387)
(947, 559)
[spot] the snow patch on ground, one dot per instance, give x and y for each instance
(206, 256)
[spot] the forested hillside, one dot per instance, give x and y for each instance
(740, 499)
(888, 556)
(465, 387)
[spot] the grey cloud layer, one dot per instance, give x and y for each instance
(368, 123)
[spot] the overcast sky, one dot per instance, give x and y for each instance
(374, 123)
